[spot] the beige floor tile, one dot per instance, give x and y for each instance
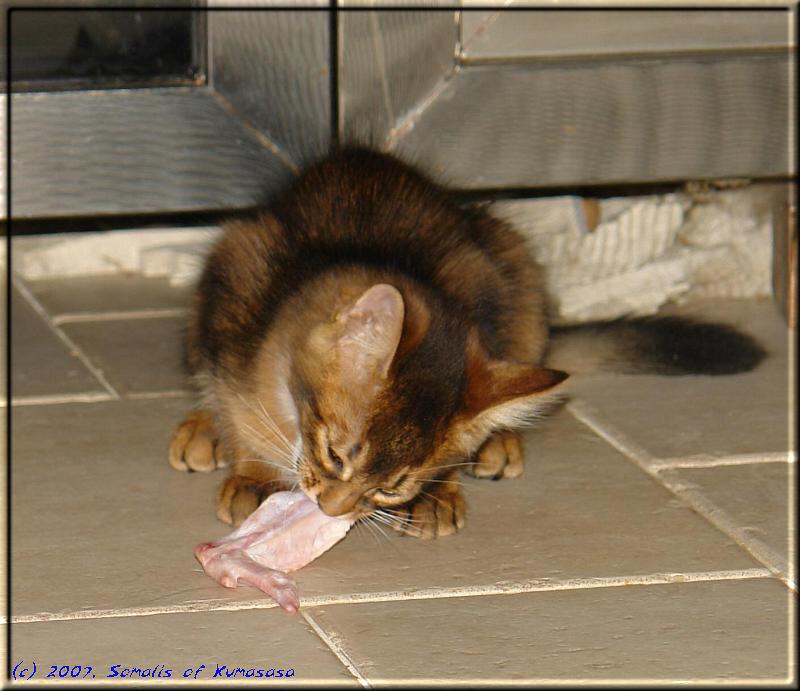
(41, 363)
(719, 631)
(107, 294)
(100, 521)
(755, 496)
(716, 416)
(136, 355)
(256, 639)
(580, 510)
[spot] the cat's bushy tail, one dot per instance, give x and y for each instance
(664, 345)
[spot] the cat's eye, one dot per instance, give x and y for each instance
(389, 492)
(336, 461)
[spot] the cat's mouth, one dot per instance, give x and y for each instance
(355, 514)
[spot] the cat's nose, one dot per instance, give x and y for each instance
(336, 508)
(340, 500)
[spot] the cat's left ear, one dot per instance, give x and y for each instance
(370, 331)
(503, 394)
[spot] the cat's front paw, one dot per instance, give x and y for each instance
(238, 497)
(196, 446)
(499, 457)
(249, 484)
(435, 513)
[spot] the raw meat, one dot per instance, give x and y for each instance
(285, 533)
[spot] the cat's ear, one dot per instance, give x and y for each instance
(369, 331)
(504, 394)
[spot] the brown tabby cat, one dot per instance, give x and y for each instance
(368, 338)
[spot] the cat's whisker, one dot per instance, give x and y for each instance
(276, 464)
(379, 538)
(372, 519)
(368, 526)
(294, 450)
(382, 519)
(359, 526)
(453, 482)
(441, 467)
(403, 519)
(399, 527)
(404, 523)
(263, 440)
(396, 512)
(274, 427)
(266, 422)
(257, 459)
(435, 498)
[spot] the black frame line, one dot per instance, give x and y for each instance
(8, 343)
(334, 9)
(333, 60)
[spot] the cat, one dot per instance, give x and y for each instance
(367, 338)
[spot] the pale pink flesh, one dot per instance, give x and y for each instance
(285, 533)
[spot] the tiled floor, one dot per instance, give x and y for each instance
(649, 538)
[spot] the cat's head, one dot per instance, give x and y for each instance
(390, 391)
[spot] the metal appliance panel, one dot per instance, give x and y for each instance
(273, 68)
(537, 34)
(519, 121)
(389, 61)
(107, 152)
(582, 123)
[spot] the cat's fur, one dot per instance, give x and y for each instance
(369, 338)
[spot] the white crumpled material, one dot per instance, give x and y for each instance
(727, 245)
(646, 251)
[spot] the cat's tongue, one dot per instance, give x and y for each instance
(284, 534)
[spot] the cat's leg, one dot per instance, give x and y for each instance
(196, 444)
(248, 485)
(437, 511)
(499, 457)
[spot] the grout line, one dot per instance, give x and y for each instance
(708, 461)
(722, 520)
(532, 585)
(587, 414)
(34, 303)
(334, 642)
(170, 393)
(91, 397)
(51, 399)
(780, 566)
(153, 313)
